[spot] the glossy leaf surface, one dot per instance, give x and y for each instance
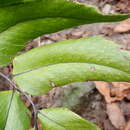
(23, 22)
(63, 119)
(4, 3)
(13, 113)
(86, 59)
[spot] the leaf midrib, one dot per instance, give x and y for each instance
(41, 18)
(52, 120)
(10, 103)
(34, 69)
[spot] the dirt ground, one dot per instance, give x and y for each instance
(106, 104)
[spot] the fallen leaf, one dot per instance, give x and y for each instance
(123, 6)
(116, 116)
(107, 125)
(122, 27)
(121, 90)
(104, 89)
(117, 92)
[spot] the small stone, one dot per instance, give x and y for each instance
(106, 9)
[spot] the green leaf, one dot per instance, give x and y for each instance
(63, 119)
(86, 59)
(13, 2)
(13, 113)
(23, 22)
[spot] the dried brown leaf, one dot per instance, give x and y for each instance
(105, 90)
(116, 116)
(121, 90)
(117, 92)
(124, 26)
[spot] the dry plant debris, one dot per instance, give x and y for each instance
(114, 93)
(123, 26)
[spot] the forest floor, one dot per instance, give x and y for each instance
(106, 104)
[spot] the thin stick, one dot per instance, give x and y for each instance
(27, 97)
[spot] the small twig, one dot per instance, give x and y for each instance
(27, 97)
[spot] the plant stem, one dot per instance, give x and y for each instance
(35, 111)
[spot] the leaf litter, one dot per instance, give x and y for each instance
(116, 95)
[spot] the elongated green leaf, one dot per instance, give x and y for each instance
(96, 50)
(93, 58)
(13, 2)
(63, 119)
(23, 22)
(13, 113)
